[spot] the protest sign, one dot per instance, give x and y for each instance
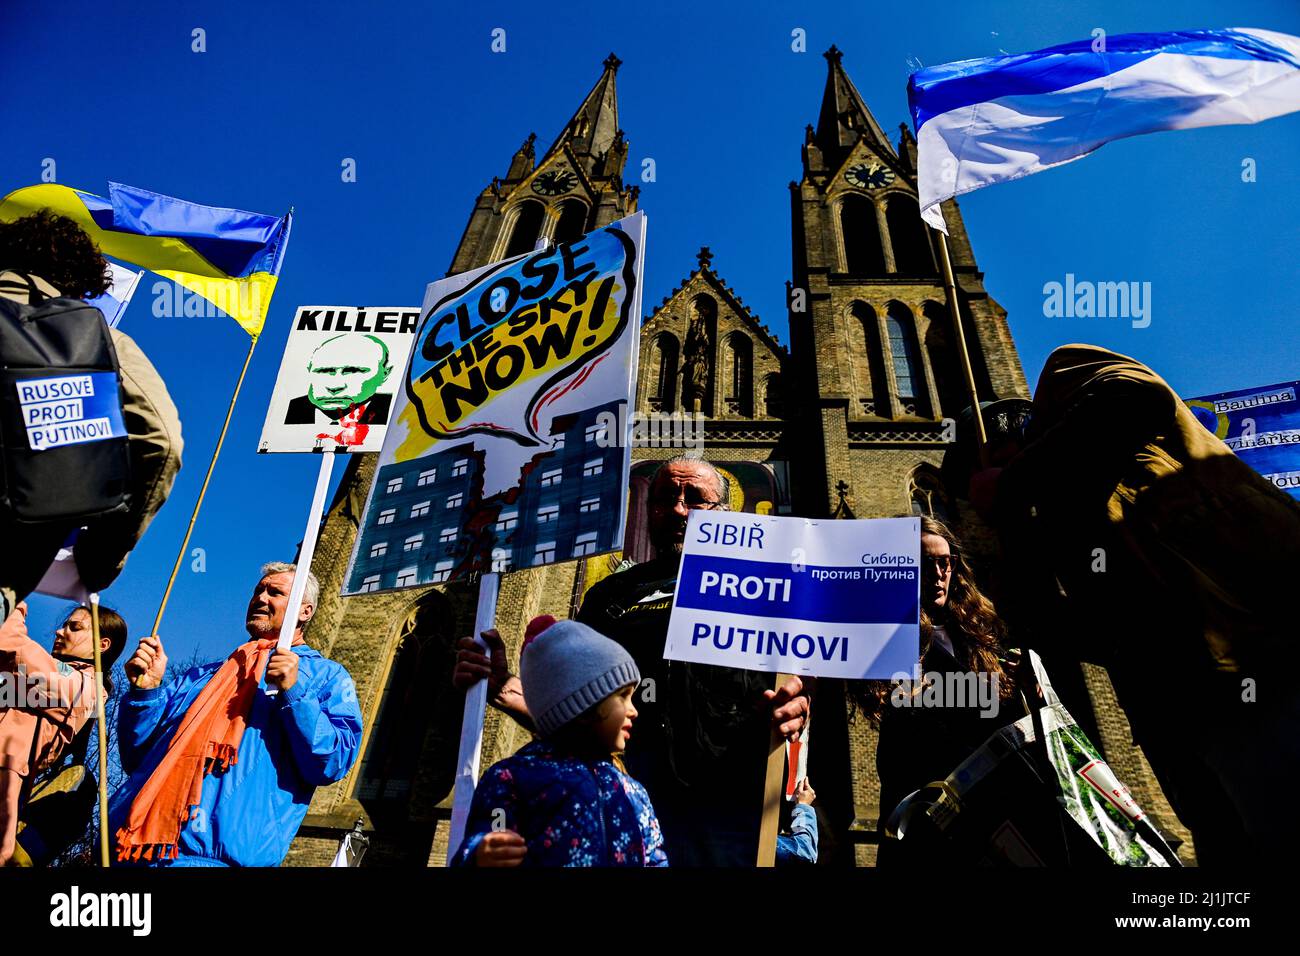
(1262, 426)
(505, 450)
(71, 409)
(793, 595)
(338, 378)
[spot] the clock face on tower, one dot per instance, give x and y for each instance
(869, 176)
(553, 182)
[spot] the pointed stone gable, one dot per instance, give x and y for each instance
(703, 350)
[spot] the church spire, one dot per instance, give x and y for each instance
(593, 129)
(844, 116)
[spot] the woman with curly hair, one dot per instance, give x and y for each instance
(924, 733)
(47, 256)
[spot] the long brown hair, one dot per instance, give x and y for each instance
(972, 625)
(111, 626)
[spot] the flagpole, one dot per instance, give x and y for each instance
(103, 732)
(963, 354)
(180, 556)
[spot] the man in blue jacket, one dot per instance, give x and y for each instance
(222, 772)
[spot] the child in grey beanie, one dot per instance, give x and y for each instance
(564, 799)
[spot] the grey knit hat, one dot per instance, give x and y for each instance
(568, 669)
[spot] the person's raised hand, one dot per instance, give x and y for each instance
(790, 707)
(501, 848)
(804, 793)
(472, 665)
(282, 669)
(148, 664)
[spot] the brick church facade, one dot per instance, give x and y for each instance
(848, 420)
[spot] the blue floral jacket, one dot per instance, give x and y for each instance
(571, 812)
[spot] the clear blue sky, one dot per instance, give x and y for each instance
(712, 92)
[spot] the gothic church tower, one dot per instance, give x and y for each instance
(876, 366)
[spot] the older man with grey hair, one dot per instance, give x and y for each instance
(221, 771)
(701, 744)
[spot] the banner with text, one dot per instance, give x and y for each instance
(793, 595)
(1262, 426)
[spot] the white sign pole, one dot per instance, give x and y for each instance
(305, 554)
(471, 725)
(471, 732)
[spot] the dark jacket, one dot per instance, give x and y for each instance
(1136, 539)
(920, 744)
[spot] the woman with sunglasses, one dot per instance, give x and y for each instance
(926, 731)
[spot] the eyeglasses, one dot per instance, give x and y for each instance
(691, 497)
(941, 562)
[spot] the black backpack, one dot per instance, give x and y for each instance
(63, 440)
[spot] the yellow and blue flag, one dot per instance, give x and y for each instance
(230, 257)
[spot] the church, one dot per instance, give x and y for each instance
(850, 418)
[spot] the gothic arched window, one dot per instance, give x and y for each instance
(948, 381)
(573, 221)
(909, 379)
(869, 369)
(772, 397)
(907, 236)
(411, 702)
(863, 254)
(663, 372)
(740, 383)
(926, 492)
(527, 227)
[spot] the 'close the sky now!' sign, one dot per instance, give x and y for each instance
(794, 595)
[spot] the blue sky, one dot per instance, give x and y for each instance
(712, 92)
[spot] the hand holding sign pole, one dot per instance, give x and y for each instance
(342, 358)
(305, 554)
(849, 608)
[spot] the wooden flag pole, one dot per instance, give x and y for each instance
(103, 732)
(180, 556)
(471, 728)
(950, 290)
(767, 828)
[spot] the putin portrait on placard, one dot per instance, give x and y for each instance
(343, 374)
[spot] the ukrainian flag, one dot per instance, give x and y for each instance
(229, 257)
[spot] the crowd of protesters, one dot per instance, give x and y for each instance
(1185, 615)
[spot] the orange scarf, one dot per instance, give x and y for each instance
(207, 739)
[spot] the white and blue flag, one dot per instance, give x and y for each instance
(986, 121)
(114, 302)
